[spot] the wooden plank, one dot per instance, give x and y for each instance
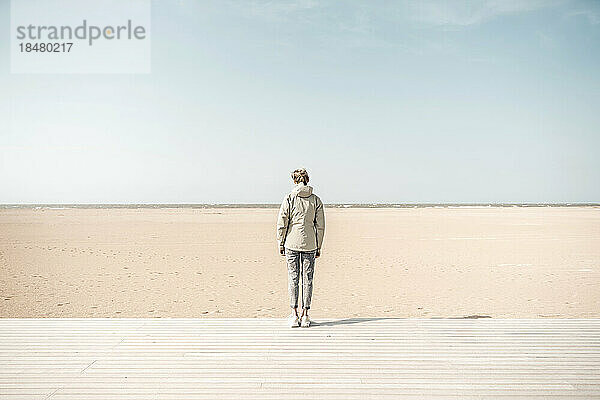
(263, 358)
(290, 395)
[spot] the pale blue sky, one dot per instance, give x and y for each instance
(382, 101)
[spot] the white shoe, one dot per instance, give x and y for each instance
(305, 321)
(293, 321)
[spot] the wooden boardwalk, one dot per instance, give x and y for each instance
(182, 359)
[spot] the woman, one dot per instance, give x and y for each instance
(300, 230)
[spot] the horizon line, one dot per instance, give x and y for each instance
(276, 205)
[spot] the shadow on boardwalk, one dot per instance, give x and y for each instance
(348, 321)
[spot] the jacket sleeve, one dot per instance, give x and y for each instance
(320, 223)
(283, 220)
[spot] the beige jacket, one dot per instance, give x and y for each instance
(301, 220)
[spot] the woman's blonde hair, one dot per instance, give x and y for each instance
(300, 175)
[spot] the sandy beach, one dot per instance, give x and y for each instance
(499, 262)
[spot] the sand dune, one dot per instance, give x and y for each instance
(533, 262)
